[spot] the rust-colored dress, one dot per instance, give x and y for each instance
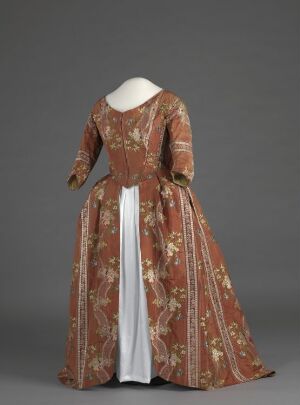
(199, 334)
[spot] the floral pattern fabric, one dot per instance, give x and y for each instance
(199, 334)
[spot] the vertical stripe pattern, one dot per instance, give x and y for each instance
(82, 294)
(193, 338)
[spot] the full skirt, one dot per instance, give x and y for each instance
(197, 334)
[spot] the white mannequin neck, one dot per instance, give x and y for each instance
(131, 93)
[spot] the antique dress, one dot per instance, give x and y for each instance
(150, 290)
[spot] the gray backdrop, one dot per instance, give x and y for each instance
(235, 63)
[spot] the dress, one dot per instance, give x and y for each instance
(148, 276)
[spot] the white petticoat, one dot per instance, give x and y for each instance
(134, 352)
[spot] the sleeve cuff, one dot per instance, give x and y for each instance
(180, 179)
(73, 182)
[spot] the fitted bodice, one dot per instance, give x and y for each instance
(133, 139)
(153, 137)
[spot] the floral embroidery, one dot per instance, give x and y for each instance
(167, 191)
(134, 140)
(153, 160)
(98, 301)
(242, 338)
(96, 242)
(108, 211)
(100, 189)
(172, 243)
(172, 302)
(111, 271)
(223, 277)
(112, 138)
(151, 214)
(178, 110)
(175, 355)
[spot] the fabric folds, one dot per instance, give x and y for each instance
(134, 355)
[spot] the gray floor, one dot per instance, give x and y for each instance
(32, 352)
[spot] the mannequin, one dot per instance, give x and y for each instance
(132, 93)
(134, 355)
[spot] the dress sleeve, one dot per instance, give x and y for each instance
(180, 143)
(89, 149)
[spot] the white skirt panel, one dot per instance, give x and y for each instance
(134, 352)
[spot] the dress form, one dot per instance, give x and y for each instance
(132, 93)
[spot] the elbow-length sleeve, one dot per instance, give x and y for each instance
(180, 143)
(89, 149)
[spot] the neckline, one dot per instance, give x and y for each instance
(134, 108)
